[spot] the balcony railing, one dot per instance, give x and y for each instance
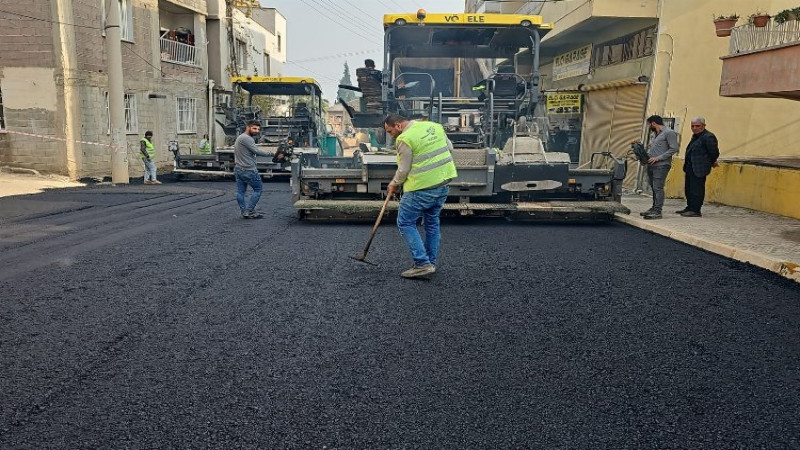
(180, 53)
(749, 38)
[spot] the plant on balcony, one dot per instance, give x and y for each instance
(724, 23)
(759, 19)
(786, 15)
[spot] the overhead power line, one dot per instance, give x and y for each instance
(311, 5)
(50, 21)
(337, 56)
(349, 15)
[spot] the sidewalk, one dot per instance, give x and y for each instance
(764, 240)
(23, 181)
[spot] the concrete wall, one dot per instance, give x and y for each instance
(771, 189)
(771, 71)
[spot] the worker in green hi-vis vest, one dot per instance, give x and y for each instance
(148, 153)
(424, 168)
(205, 145)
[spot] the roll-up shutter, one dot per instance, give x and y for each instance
(613, 118)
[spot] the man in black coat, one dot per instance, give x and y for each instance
(701, 155)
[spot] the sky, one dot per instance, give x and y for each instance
(323, 34)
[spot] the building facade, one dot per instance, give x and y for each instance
(54, 85)
(627, 59)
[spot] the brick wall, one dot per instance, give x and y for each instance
(26, 42)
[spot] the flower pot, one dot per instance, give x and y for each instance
(761, 21)
(724, 26)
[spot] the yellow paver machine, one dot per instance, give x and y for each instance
(289, 110)
(478, 76)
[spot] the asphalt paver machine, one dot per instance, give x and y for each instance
(478, 76)
(290, 112)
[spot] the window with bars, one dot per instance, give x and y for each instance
(633, 46)
(2, 112)
(125, 18)
(241, 54)
(131, 115)
(187, 115)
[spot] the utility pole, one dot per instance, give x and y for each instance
(116, 95)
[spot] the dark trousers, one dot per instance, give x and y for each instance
(695, 188)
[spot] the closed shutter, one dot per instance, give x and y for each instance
(613, 118)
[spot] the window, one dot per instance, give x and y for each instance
(267, 72)
(125, 18)
(187, 115)
(241, 54)
(279, 42)
(2, 114)
(131, 116)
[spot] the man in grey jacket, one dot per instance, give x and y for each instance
(245, 152)
(663, 145)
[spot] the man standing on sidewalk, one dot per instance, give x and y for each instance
(424, 168)
(246, 172)
(701, 155)
(148, 153)
(662, 147)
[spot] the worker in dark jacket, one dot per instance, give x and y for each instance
(701, 156)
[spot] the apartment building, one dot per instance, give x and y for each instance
(54, 86)
(624, 60)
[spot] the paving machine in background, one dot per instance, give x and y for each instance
(289, 110)
(441, 67)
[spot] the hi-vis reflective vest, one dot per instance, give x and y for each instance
(431, 164)
(205, 147)
(151, 151)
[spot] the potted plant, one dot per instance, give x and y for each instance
(759, 19)
(724, 23)
(787, 14)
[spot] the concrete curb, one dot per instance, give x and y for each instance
(787, 269)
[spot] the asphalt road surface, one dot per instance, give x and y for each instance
(155, 317)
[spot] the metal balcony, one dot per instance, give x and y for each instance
(748, 38)
(180, 53)
(762, 62)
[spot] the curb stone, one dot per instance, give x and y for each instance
(787, 269)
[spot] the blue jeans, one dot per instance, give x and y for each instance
(149, 170)
(246, 178)
(426, 204)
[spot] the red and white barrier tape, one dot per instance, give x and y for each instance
(54, 138)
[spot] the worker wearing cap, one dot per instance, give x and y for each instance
(424, 168)
(148, 153)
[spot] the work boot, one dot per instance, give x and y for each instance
(644, 213)
(419, 271)
(691, 214)
(653, 215)
(681, 211)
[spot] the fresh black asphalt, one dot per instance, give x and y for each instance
(154, 317)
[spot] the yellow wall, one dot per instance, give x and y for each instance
(771, 189)
(686, 84)
(687, 76)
